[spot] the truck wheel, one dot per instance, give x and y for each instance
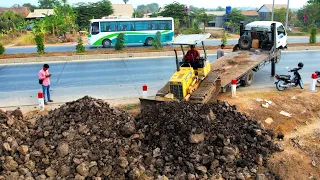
(245, 42)
(148, 41)
(106, 43)
(248, 79)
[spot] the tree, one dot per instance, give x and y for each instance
(219, 8)
(224, 39)
(137, 14)
(312, 11)
(47, 4)
(193, 8)
(80, 48)
(120, 42)
(156, 43)
(280, 15)
(125, 1)
(39, 43)
(313, 1)
(236, 16)
(2, 49)
(175, 10)
(204, 18)
(149, 8)
(154, 7)
(30, 6)
(313, 35)
(10, 21)
(87, 11)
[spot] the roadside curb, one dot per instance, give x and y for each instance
(119, 56)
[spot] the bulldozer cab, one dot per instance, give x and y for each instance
(200, 65)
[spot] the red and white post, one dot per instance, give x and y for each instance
(233, 88)
(41, 101)
(144, 91)
(313, 82)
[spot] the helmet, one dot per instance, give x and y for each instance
(300, 65)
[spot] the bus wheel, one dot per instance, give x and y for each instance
(148, 41)
(106, 43)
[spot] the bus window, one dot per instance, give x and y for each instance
(95, 28)
(105, 27)
(126, 26)
(141, 26)
(168, 25)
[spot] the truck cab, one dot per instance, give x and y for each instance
(263, 32)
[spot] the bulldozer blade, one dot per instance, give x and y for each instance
(145, 102)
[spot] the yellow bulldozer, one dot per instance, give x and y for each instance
(190, 82)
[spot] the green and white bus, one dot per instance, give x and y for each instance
(104, 32)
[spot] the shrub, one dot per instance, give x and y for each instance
(313, 35)
(120, 42)
(190, 31)
(2, 49)
(156, 43)
(80, 48)
(224, 38)
(39, 43)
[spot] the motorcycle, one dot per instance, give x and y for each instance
(285, 81)
(318, 78)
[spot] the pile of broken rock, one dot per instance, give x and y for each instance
(87, 139)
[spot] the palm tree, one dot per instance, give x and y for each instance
(125, 1)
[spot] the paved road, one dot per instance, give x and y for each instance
(32, 49)
(117, 79)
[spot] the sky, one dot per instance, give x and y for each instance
(204, 3)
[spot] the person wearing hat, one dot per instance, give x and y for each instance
(45, 82)
(192, 56)
(220, 52)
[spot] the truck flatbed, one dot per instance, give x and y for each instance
(237, 64)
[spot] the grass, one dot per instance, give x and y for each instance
(130, 107)
(297, 34)
(25, 39)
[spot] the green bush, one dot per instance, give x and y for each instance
(224, 38)
(313, 35)
(190, 31)
(156, 43)
(120, 42)
(80, 48)
(2, 49)
(39, 43)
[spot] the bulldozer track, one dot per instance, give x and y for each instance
(208, 89)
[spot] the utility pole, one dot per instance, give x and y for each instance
(287, 15)
(272, 11)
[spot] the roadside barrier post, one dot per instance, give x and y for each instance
(144, 91)
(233, 87)
(313, 82)
(41, 101)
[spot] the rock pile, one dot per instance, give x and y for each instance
(189, 141)
(87, 139)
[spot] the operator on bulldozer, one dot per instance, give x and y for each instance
(192, 57)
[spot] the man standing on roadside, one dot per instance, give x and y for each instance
(45, 81)
(220, 52)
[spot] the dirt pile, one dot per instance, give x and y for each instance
(87, 139)
(84, 138)
(188, 141)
